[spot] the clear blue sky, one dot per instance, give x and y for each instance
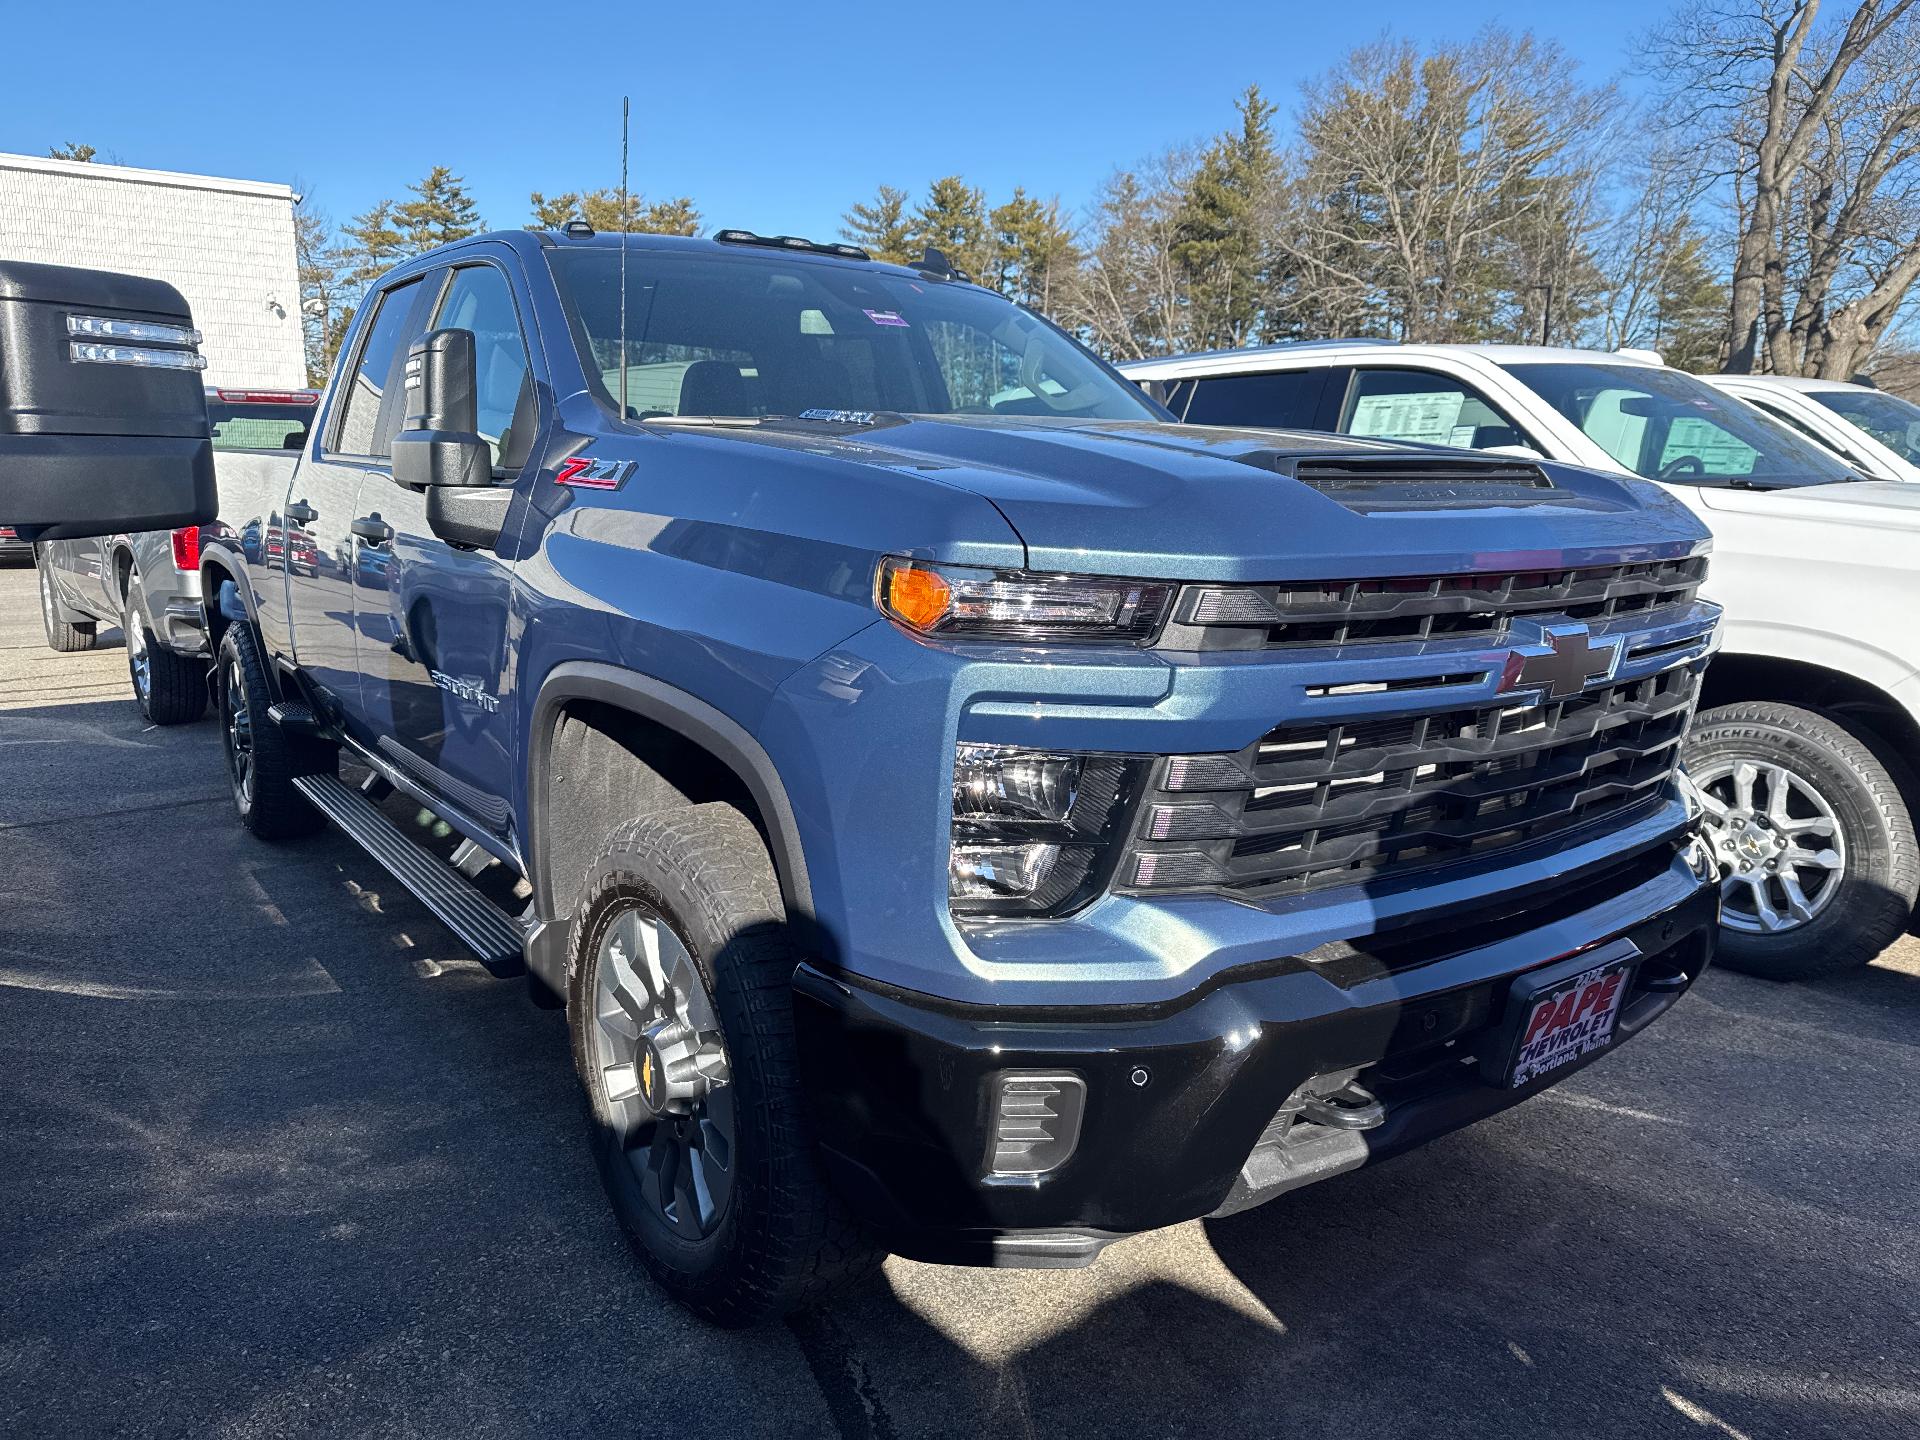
(774, 117)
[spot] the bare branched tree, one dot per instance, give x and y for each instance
(1425, 176)
(1763, 84)
(1128, 296)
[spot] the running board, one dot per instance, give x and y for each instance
(483, 927)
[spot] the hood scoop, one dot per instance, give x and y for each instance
(1368, 484)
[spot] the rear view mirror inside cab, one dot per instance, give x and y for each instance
(103, 417)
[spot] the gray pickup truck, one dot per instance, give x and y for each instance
(148, 582)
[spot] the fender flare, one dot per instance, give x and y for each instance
(217, 572)
(690, 717)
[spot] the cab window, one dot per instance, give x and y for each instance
(1276, 399)
(1420, 407)
(479, 299)
(372, 400)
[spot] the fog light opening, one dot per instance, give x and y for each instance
(1036, 1123)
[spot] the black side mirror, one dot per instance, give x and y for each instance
(440, 442)
(441, 451)
(103, 415)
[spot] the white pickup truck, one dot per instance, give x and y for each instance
(1810, 717)
(1873, 432)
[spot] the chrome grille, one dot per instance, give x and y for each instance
(1313, 805)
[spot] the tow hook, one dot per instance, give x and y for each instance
(1351, 1107)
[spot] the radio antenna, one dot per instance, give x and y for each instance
(625, 225)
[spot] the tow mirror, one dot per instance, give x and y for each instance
(440, 449)
(103, 415)
(440, 442)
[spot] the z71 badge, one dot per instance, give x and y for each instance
(584, 472)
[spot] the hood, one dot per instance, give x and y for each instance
(1185, 502)
(1881, 504)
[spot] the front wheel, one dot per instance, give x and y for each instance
(680, 1003)
(171, 687)
(1818, 862)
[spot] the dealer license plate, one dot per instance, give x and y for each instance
(1564, 1019)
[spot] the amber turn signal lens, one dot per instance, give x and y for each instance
(917, 597)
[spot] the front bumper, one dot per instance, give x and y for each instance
(1182, 1099)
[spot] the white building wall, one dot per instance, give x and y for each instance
(227, 245)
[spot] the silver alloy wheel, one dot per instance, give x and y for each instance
(1777, 841)
(661, 1062)
(139, 662)
(239, 734)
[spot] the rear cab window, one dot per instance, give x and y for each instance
(260, 419)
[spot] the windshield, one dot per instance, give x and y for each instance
(259, 424)
(1667, 425)
(1894, 422)
(751, 336)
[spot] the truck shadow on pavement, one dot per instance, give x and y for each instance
(279, 1157)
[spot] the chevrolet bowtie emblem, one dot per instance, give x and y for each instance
(1563, 664)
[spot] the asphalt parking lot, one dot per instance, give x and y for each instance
(276, 1159)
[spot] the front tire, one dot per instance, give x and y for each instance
(680, 1003)
(63, 633)
(171, 687)
(1818, 861)
(262, 759)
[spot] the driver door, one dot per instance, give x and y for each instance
(433, 620)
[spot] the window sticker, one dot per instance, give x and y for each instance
(1427, 418)
(887, 317)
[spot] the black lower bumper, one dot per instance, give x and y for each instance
(1182, 1103)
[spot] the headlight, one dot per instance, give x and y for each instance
(952, 600)
(1033, 830)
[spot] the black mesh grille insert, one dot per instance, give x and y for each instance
(1345, 612)
(1311, 806)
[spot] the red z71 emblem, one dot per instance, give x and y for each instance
(584, 472)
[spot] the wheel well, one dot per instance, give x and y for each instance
(122, 572)
(1864, 708)
(606, 766)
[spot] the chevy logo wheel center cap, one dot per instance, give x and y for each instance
(1563, 663)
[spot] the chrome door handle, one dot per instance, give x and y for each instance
(302, 513)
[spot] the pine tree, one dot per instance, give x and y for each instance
(1034, 250)
(601, 209)
(72, 151)
(1690, 306)
(372, 244)
(1221, 232)
(442, 211)
(882, 228)
(953, 219)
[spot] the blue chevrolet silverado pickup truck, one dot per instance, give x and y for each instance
(960, 812)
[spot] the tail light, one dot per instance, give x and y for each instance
(7, 532)
(186, 548)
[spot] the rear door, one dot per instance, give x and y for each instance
(1269, 399)
(310, 539)
(433, 619)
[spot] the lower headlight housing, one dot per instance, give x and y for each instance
(1034, 831)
